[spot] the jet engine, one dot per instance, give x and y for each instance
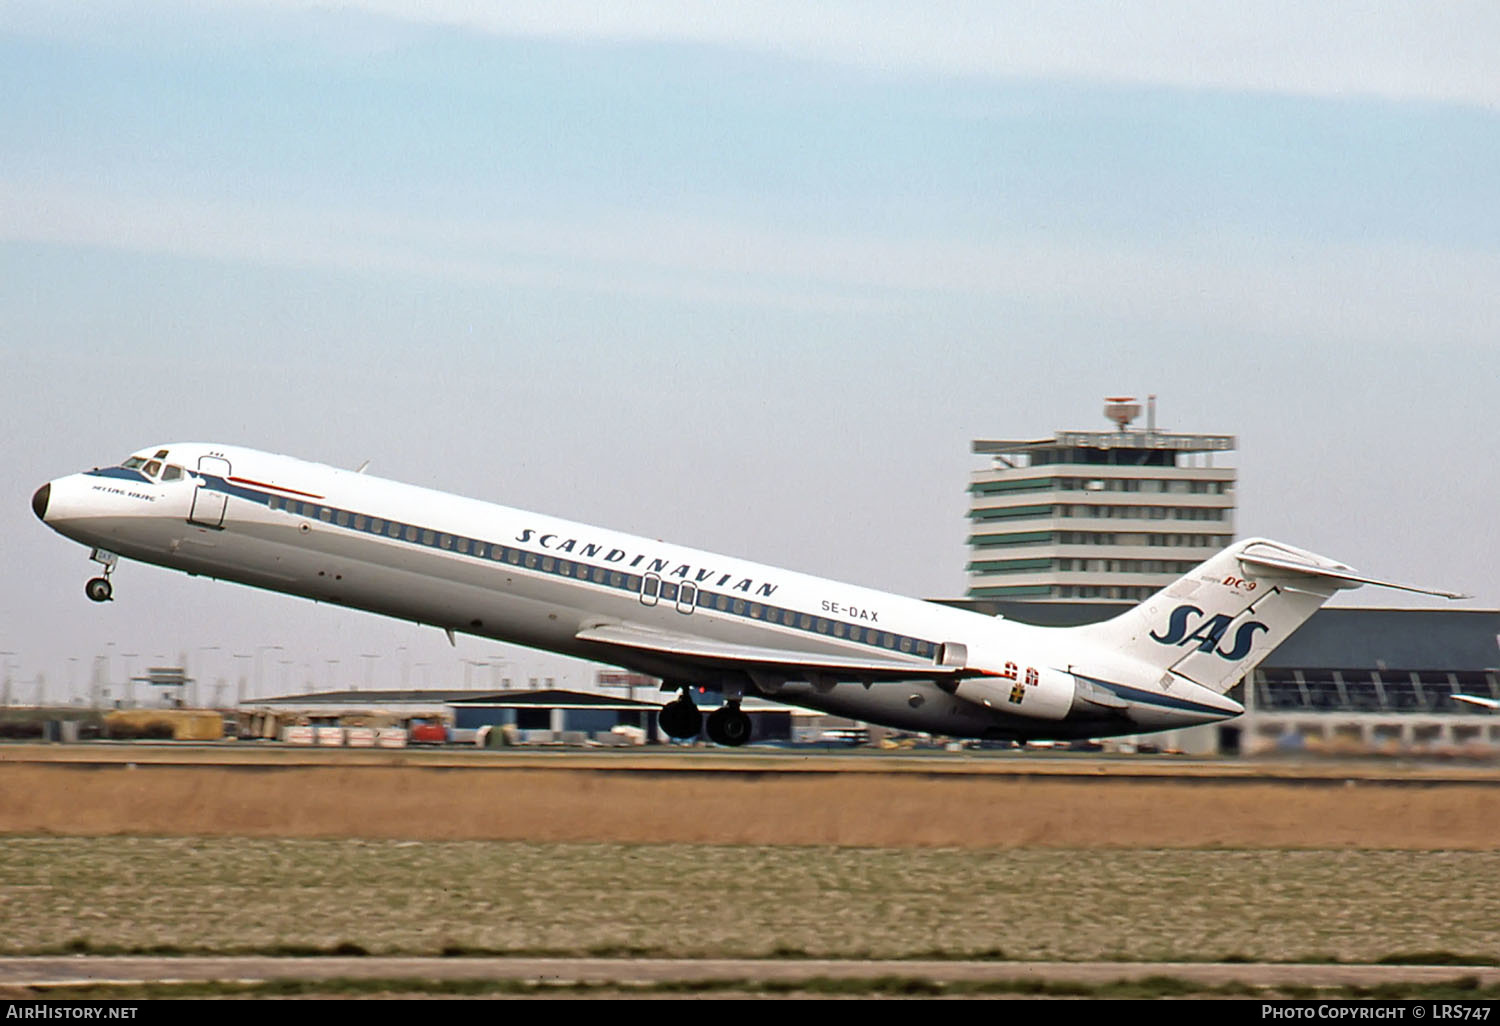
(1019, 690)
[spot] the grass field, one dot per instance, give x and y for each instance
(222, 895)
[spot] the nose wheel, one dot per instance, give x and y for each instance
(99, 589)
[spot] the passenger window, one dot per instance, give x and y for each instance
(172, 473)
(411, 533)
(463, 545)
(343, 519)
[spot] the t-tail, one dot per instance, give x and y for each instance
(1215, 624)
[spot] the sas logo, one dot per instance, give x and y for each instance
(1209, 633)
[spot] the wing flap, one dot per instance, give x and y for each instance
(785, 662)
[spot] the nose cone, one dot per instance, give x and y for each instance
(39, 501)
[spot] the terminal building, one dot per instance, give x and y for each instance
(1097, 515)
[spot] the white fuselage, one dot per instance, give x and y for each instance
(343, 537)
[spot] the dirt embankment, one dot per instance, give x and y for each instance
(859, 809)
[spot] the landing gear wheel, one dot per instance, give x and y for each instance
(728, 726)
(680, 719)
(99, 589)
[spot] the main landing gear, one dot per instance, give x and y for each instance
(680, 719)
(726, 725)
(99, 589)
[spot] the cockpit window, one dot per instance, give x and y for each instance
(172, 473)
(161, 454)
(133, 463)
(152, 469)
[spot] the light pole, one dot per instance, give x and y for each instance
(259, 678)
(240, 684)
(129, 658)
(202, 674)
(5, 698)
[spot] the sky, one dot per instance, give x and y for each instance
(744, 276)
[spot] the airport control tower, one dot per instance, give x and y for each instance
(1097, 515)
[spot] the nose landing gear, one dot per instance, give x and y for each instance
(99, 589)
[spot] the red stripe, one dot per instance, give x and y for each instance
(262, 484)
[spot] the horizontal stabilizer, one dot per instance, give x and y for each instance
(1341, 573)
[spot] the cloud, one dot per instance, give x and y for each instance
(1394, 292)
(1435, 52)
(1441, 52)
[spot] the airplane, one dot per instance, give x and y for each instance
(688, 617)
(1491, 704)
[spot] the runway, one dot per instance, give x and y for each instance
(51, 972)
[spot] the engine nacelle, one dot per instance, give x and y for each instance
(1017, 690)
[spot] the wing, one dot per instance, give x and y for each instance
(1483, 703)
(685, 656)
